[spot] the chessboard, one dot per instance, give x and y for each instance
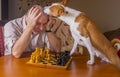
(46, 59)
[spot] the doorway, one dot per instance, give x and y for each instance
(4, 9)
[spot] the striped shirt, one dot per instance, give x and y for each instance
(14, 28)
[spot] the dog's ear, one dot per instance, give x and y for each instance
(57, 10)
(64, 2)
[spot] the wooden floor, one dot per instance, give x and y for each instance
(12, 67)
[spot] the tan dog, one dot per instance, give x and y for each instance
(85, 33)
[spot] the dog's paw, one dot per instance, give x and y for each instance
(71, 53)
(105, 60)
(90, 62)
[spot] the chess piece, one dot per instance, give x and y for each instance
(41, 53)
(32, 58)
(48, 57)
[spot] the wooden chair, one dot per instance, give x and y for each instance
(1, 41)
(2, 23)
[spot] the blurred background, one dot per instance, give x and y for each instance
(105, 13)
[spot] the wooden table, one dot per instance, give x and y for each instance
(12, 67)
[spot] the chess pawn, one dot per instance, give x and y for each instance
(37, 50)
(47, 52)
(48, 57)
(37, 59)
(41, 53)
(31, 60)
(32, 57)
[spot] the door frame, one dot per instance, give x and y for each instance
(4, 9)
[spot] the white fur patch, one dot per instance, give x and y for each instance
(46, 9)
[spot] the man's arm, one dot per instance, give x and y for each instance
(54, 41)
(21, 44)
(31, 20)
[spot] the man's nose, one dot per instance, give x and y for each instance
(41, 27)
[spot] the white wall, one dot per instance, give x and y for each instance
(13, 10)
(105, 13)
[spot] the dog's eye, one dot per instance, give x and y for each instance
(115, 46)
(60, 11)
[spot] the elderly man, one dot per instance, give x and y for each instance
(28, 32)
(35, 29)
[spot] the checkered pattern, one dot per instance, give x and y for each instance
(53, 60)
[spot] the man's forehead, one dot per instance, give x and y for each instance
(43, 18)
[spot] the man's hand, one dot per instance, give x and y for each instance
(50, 23)
(33, 15)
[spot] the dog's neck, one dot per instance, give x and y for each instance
(70, 16)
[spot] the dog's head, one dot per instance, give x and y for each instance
(56, 9)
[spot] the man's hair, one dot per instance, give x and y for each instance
(35, 6)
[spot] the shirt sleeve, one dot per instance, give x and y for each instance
(10, 37)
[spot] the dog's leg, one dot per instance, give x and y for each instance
(90, 49)
(74, 47)
(101, 56)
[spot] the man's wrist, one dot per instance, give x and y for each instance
(48, 30)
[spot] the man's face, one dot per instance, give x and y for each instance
(41, 23)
